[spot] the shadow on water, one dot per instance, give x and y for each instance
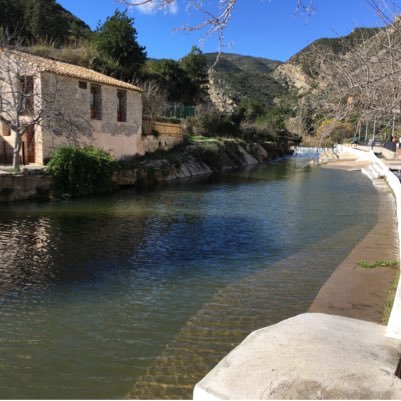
(96, 292)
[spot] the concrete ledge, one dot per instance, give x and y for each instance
(394, 324)
(310, 356)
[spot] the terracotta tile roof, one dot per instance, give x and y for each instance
(73, 71)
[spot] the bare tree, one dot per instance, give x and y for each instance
(25, 103)
(214, 15)
(154, 99)
(363, 84)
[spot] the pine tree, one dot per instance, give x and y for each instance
(195, 65)
(116, 39)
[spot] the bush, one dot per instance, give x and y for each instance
(211, 124)
(252, 132)
(333, 131)
(249, 110)
(81, 171)
(273, 119)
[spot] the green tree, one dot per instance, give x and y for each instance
(12, 20)
(116, 39)
(173, 79)
(195, 65)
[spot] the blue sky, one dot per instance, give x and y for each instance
(263, 28)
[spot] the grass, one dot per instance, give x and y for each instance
(378, 263)
(388, 305)
(200, 138)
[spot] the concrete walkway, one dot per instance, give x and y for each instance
(310, 356)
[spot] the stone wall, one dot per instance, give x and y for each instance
(27, 185)
(160, 135)
(151, 143)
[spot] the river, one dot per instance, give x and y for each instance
(139, 294)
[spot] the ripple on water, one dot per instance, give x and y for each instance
(236, 311)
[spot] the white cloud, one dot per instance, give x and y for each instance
(156, 5)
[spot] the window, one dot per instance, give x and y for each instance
(26, 93)
(121, 106)
(96, 102)
(82, 85)
(5, 129)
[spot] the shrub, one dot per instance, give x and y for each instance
(273, 119)
(81, 171)
(335, 131)
(252, 132)
(211, 123)
(249, 110)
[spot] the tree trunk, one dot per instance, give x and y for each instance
(16, 152)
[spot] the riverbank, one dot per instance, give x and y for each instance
(197, 157)
(191, 159)
(318, 355)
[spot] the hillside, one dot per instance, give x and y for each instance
(303, 69)
(234, 77)
(45, 21)
(309, 57)
(236, 62)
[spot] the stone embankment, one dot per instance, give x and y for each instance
(190, 161)
(31, 183)
(199, 159)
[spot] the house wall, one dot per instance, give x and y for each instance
(118, 138)
(7, 141)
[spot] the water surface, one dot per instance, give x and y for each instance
(143, 293)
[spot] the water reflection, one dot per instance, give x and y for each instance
(26, 258)
(94, 293)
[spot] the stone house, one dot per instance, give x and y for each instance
(81, 106)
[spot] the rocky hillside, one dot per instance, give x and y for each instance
(302, 70)
(234, 77)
